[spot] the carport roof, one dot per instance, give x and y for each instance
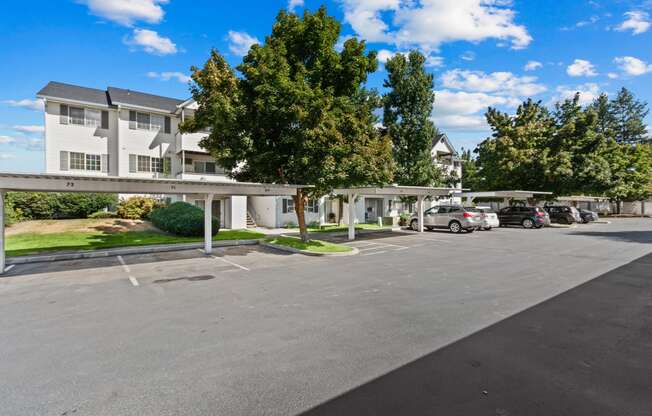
(113, 184)
(503, 194)
(396, 190)
(581, 198)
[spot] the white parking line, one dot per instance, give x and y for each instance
(132, 279)
(11, 266)
(231, 263)
(374, 253)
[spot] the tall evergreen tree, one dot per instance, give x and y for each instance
(299, 114)
(629, 118)
(407, 111)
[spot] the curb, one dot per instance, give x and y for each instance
(353, 252)
(91, 254)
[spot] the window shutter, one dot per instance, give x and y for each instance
(133, 160)
(63, 114)
(105, 120)
(132, 120)
(168, 125)
(63, 160)
(105, 163)
(285, 206)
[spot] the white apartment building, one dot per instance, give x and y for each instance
(125, 133)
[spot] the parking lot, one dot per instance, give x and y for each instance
(251, 330)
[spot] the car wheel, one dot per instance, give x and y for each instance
(414, 225)
(470, 230)
(487, 228)
(528, 223)
(455, 227)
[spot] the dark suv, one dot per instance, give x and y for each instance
(560, 214)
(528, 217)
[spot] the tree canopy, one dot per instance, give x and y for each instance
(299, 112)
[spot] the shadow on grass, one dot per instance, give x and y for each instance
(584, 352)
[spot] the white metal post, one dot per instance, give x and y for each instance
(208, 224)
(351, 216)
(2, 231)
(420, 213)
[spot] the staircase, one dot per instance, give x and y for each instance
(251, 223)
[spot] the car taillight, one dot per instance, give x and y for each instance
(468, 215)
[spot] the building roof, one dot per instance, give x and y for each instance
(141, 99)
(112, 96)
(74, 93)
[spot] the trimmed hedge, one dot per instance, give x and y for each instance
(103, 215)
(137, 207)
(182, 218)
(49, 205)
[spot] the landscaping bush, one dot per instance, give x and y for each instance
(11, 215)
(182, 218)
(137, 207)
(314, 224)
(52, 205)
(103, 214)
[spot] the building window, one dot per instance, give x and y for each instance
(143, 164)
(84, 117)
(93, 162)
(157, 164)
(312, 205)
(93, 118)
(157, 122)
(77, 116)
(142, 121)
(77, 161)
(146, 121)
(288, 205)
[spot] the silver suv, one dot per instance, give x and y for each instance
(454, 217)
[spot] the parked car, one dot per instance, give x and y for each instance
(588, 216)
(489, 218)
(561, 214)
(454, 217)
(528, 217)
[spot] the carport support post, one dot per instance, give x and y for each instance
(351, 217)
(2, 231)
(420, 212)
(208, 224)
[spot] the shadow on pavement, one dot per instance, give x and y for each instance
(644, 237)
(587, 351)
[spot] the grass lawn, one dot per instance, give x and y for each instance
(315, 246)
(330, 228)
(34, 243)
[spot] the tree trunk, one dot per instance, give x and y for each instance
(300, 200)
(340, 210)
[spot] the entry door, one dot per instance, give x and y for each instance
(216, 210)
(373, 208)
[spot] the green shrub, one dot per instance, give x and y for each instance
(12, 216)
(137, 207)
(182, 218)
(52, 205)
(103, 214)
(290, 224)
(314, 224)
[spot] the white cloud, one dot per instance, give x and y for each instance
(468, 56)
(7, 140)
(293, 4)
(151, 42)
(612, 75)
(434, 61)
(127, 12)
(240, 42)
(430, 23)
(36, 105)
(7, 156)
(166, 76)
(581, 67)
(532, 65)
(385, 55)
(633, 66)
(462, 111)
(29, 129)
(588, 92)
(500, 83)
(636, 21)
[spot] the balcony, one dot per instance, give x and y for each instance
(190, 142)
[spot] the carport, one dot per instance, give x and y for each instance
(420, 192)
(19, 182)
(575, 199)
(504, 195)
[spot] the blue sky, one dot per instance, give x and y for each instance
(482, 52)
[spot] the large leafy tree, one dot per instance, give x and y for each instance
(299, 113)
(471, 173)
(628, 115)
(407, 111)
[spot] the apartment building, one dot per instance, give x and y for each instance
(120, 132)
(125, 133)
